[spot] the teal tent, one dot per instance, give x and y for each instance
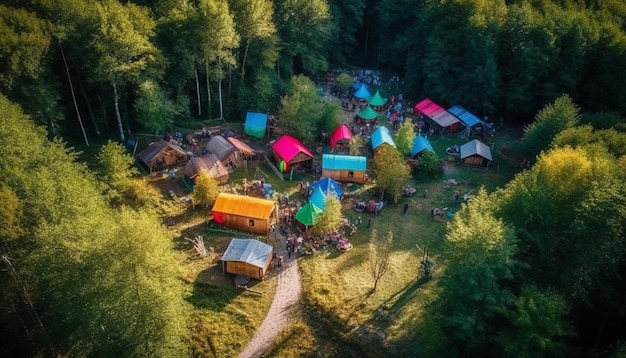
(318, 198)
(376, 100)
(308, 214)
(362, 92)
(367, 114)
(256, 124)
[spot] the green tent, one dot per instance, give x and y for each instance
(376, 100)
(308, 214)
(367, 114)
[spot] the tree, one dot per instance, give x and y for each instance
(153, 108)
(356, 142)
(428, 166)
(404, 138)
(391, 172)
(549, 122)
(343, 82)
(205, 190)
(380, 252)
(301, 109)
(330, 219)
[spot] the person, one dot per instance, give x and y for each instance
(406, 208)
(369, 222)
(358, 220)
(425, 192)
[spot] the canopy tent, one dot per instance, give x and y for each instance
(436, 115)
(362, 92)
(291, 151)
(381, 136)
(256, 124)
(341, 133)
(210, 164)
(420, 144)
(318, 198)
(367, 114)
(376, 99)
(357, 84)
(473, 124)
(329, 187)
(247, 257)
(308, 214)
(475, 153)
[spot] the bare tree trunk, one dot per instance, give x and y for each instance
(69, 79)
(195, 71)
(219, 86)
(208, 88)
(91, 115)
(243, 62)
(117, 112)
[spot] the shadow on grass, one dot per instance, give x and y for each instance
(213, 290)
(402, 296)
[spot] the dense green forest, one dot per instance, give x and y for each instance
(87, 268)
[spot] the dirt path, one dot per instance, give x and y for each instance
(285, 301)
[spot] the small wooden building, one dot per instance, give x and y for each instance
(208, 163)
(247, 257)
(224, 150)
(340, 139)
(475, 154)
(244, 213)
(162, 155)
(344, 168)
(247, 153)
(291, 151)
(380, 137)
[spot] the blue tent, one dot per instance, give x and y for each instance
(464, 115)
(381, 135)
(362, 92)
(328, 186)
(318, 198)
(420, 144)
(256, 123)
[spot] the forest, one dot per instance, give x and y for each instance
(535, 268)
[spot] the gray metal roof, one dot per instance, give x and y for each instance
(250, 251)
(475, 147)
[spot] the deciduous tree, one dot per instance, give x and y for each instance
(391, 172)
(205, 190)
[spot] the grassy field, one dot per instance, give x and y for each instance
(339, 311)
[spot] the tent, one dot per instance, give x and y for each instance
(244, 213)
(328, 186)
(381, 136)
(362, 92)
(308, 214)
(318, 198)
(367, 114)
(344, 168)
(436, 116)
(256, 124)
(475, 153)
(376, 100)
(162, 155)
(420, 144)
(209, 164)
(247, 257)
(292, 152)
(340, 139)
(224, 150)
(473, 124)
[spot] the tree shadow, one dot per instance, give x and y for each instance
(213, 290)
(403, 295)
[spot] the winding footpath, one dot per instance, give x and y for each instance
(285, 301)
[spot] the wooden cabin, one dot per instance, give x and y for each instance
(344, 168)
(475, 154)
(292, 152)
(210, 164)
(224, 150)
(247, 257)
(244, 213)
(162, 155)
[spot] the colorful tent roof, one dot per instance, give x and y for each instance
(362, 92)
(357, 84)
(246, 206)
(287, 147)
(340, 133)
(329, 187)
(464, 115)
(367, 113)
(318, 198)
(308, 214)
(250, 251)
(381, 135)
(475, 147)
(435, 112)
(208, 163)
(256, 124)
(420, 144)
(376, 99)
(343, 162)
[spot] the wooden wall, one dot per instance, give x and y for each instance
(344, 175)
(261, 226)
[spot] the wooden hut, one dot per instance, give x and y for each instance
(476, 154)
(244, 213)
(224, 150)
(162, 155)
(340, 139)
(247, 153)
(344, 168)
(208, 163)
(247, 257)
(292, 152)
(380, 137)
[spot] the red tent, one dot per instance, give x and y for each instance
(342, 133)
(291, 151)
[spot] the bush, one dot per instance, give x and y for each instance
(428, 166)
